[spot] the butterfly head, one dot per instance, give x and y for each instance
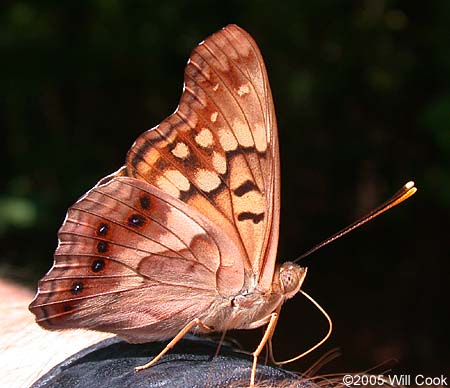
(291, 278)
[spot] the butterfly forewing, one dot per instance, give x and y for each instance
(219, 152)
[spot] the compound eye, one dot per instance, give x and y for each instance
(289, 280)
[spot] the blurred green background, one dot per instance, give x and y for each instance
(361, 90)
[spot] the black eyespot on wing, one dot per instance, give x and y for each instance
(102, 229)
(161, 164)
(144, 200)
(256, 218)
(244, 188)
(98, 265)
(136, 220)
(77, 287)
(102, 246)
(67, 307)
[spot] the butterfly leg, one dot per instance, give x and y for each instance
(175, 340)
(266, 337)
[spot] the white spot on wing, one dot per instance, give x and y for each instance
(207, 180)
(214, 117)
(243, 134)
(167, 187)
(181, 151)
(260, 138)
(227, 140)
(243, 89)
(219, 163)
(178, 179)
(204, 138)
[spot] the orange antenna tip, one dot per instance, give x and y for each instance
(409, 185)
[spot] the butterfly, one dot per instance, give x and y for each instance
(184, 236)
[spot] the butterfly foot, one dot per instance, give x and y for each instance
(146, 366)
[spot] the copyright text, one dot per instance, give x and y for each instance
(419, 380)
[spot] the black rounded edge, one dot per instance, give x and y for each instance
(111, 362)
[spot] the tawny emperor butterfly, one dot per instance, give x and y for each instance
(184, 236)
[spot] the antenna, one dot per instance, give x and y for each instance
(330, 329)
(404, 193)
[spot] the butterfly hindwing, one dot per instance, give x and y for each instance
(125, 245)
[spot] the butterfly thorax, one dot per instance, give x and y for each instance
(252, 307)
